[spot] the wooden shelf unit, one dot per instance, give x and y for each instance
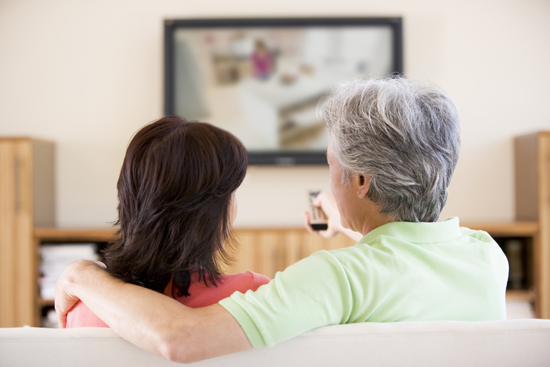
(64, 235)
(528, 233)
(268, 250)
(532, 182)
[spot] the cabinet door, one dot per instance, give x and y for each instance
(533, 203)
(18, 274)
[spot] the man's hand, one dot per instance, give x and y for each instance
(64, 299)
(326, 202)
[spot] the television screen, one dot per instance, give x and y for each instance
(262, 79)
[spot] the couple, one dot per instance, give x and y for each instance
(393, 147)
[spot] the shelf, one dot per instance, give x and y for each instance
(519, 295)
(505, 229)
(45, 302)
(44, 234)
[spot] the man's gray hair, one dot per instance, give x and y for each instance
(404, 135)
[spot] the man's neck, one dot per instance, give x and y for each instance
(373, 218)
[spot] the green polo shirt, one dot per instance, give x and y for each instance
(398, 272)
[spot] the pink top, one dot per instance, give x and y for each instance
(200, 296)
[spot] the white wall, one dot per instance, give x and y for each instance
(87, 74)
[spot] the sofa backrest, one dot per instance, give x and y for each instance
(436, 343)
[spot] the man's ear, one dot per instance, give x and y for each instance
(362, 185)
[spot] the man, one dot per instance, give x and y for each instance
(393, 148)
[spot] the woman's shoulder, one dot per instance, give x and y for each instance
(248, 279)
(205, 294)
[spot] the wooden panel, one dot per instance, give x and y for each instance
(74, 234)
(506, 229)
(242, 255)
(292, 247)
(7, 234)
(267, 251)
(17, 253)
(26, 255)
(267, 261)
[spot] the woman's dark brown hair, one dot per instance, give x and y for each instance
(175, 190)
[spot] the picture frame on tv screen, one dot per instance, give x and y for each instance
(262, 79)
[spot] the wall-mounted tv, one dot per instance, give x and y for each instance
(262, 79)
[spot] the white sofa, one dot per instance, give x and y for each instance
(517, 343)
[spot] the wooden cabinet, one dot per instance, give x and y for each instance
(26, 200)
(524, 236)
(268, 250)
(532, 164)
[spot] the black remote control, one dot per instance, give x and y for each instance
(318, 219)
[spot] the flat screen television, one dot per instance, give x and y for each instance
(262, 79)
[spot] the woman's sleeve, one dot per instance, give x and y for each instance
(258, 280)
(81, 316)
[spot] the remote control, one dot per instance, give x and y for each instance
(318, 219)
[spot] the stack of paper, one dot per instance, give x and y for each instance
(55, 258)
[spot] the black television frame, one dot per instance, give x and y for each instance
(282, 158)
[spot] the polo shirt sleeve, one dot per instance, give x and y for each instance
(312, 293)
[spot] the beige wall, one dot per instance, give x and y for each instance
(87, 74)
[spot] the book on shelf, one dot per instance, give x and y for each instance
(55, 257)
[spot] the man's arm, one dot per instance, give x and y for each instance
(149, 319)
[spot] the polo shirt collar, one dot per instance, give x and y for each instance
(420, 232)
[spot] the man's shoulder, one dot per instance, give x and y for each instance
(477, 234)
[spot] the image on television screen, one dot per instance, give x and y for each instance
(264, 84)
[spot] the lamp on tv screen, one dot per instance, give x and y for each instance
(262, 79)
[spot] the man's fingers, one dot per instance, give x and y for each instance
(62, 319)
(305, 218)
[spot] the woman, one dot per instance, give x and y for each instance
(177, 203)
